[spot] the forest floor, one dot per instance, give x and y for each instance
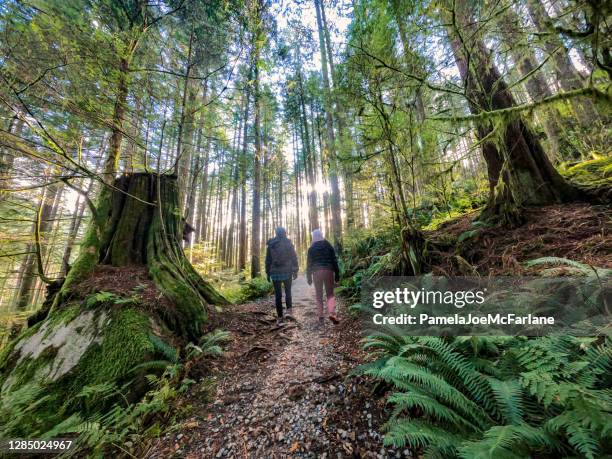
(577, 231)
(282, 391)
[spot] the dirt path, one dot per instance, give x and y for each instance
(284, 392)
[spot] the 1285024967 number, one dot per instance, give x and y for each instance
(35, 445)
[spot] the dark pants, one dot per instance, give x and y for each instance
(278, 295)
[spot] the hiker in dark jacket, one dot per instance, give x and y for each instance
(281, 268)
(323, 269)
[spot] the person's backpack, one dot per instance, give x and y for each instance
(280, 251)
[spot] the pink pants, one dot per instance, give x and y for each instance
(325, 277)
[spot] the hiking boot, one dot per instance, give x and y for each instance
(334, 319)
(321, 322)
(280, 321)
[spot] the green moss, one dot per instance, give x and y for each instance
(594, 173)
(30, 369)
(442, 218)
(124, 345)
(6, 353)
(62, 315)
(42, 403)
(188, 314)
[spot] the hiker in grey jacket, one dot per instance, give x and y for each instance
(281, 268)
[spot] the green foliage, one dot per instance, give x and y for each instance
(496, 397)
(576, 267)
(210, 345)
(109, 418)
(108, 298)
(130, 425)
(247, 290)
(125, 425)
(163, 348)
(367, 254)
(465, 196)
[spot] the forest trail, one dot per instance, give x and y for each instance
(283, 392)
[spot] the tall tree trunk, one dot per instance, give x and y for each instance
(185, 126)
(336, 211)
(340, 111)
(7, 159)
(203, 207)
(256, 212)
(73, 231)
(242, 244)
(313, 212)
(119, 111)
(233, 214)
(298, 194)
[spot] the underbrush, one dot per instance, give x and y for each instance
(496, 397)
(464, 197)
(237, 287)
(243, 291)
(127, 426)
(368, 254)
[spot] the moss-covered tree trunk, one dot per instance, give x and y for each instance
(138, 222)
(130, 298)
(519, 171)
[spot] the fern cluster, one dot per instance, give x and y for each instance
(501, 397)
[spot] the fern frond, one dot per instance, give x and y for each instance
(583, 268)
(579, 437)
(509, 441)
(430, 407)
(509, 397)
(400, 371)
(163, 348)
(417, 434)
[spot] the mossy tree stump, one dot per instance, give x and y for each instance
(138, 222)
(93, 337)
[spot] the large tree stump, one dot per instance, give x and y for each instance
(130, 298)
